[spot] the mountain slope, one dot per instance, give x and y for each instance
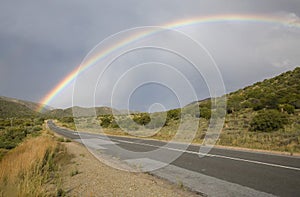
(271, 93)
(265, 116)
(9, 108)
(31, 105)
(281, 92)
(81, 111)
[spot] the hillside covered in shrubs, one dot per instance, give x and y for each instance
(265, 115)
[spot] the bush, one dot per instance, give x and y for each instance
(234, 103)
(67, 119)
(290, 109)
(106, 121)
(11, 137)
(174, 114)
(205, 113)
(142, 119)
(37, 128)
(268, 120)
(114, 124)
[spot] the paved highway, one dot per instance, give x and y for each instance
(222, 172)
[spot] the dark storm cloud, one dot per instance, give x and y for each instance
(42, 41)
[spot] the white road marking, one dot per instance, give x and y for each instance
(95, 143)
(212, 155)
(198, 153)
(206, 185)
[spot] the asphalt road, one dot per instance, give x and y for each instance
(222, 172)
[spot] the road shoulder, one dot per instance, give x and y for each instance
(86, 175)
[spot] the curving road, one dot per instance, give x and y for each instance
(222, 172)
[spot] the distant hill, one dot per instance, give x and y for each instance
(15, 108)
(11, 107)
(31, 105)
(60, 113)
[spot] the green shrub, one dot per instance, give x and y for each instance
(106, 121)
(114, 124)
(205, 113)
(37, 128)
(268, 120)
(142, 119)
(174, 114)
(234, 103)
(11, 137)
(67, 119)
(5, 122)
(61, 139)
(290, 109)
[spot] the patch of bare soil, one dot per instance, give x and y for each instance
(87, 176)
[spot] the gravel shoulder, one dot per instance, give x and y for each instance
(85, 175)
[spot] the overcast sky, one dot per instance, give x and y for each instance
(41, 42)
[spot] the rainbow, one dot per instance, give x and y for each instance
(173, 25)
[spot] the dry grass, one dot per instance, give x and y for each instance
(235, 133)
(25, 170)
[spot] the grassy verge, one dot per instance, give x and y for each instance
(31, 169)
(14, 130)
(235, 132)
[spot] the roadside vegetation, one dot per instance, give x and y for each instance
(30, 158)
(265, 116)
(31, 169)
(14, 130)
(36, 162)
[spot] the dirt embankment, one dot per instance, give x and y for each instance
(87, 176)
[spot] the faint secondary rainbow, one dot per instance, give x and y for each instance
(173, 25)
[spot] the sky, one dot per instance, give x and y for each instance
(42, 42)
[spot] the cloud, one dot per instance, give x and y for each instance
(42, 42)
(293, 19)
(285, 63)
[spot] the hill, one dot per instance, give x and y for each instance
(16, 108)
(282, 92)
(265, 115)
(31, 105)
(11, 107)
(81, 111)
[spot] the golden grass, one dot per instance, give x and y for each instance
(25, 169)
(235, 133)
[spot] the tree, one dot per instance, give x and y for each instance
(105, 121)
(268, 120)
(205, 113)
(142, 119)
(67, 119)
(290, 109)
(234, 103)
(174, 114)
